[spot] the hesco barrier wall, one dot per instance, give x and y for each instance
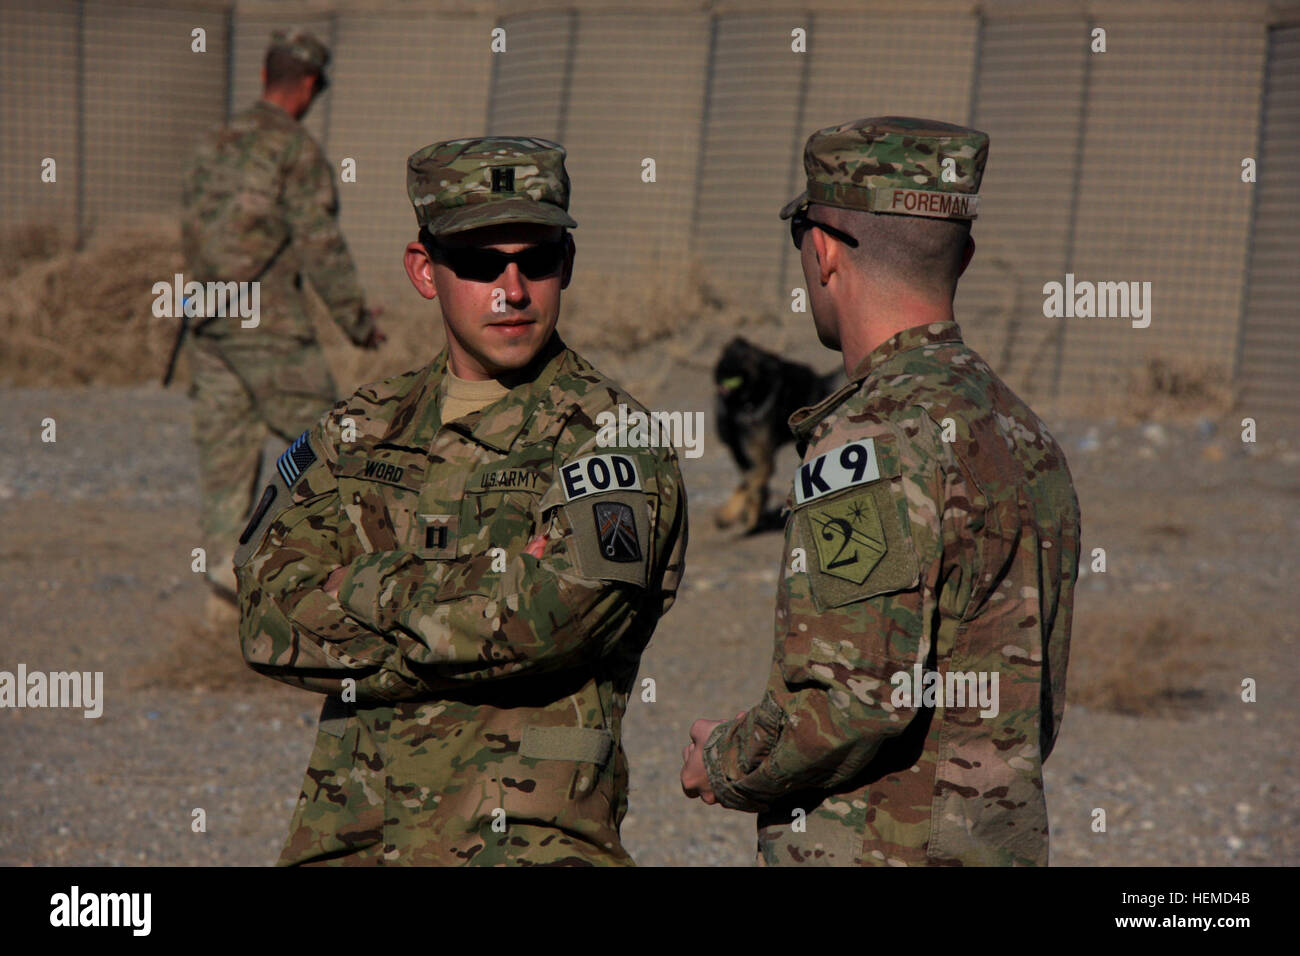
(1115, 166)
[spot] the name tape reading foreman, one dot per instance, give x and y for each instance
(597, 473)
(925, 202)
(851, 464)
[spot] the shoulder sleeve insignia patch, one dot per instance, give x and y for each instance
(612, 535)
(862, 542)
(616, 526)
(849, 537)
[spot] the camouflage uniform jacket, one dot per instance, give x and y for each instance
(906, 553)
(490, 685)
(259, 203)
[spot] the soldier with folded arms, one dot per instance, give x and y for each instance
(453, 559)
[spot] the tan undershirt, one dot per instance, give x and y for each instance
(461, 396)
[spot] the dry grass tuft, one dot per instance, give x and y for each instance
(1170, 388)
(71, 317)
(30, 242)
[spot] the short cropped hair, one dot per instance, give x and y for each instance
(285, 69)
(916, 251)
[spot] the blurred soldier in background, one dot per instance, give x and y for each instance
(932, 545)
(259, 205)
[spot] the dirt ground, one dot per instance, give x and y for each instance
(1200, 592)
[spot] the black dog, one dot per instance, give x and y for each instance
(757, 393)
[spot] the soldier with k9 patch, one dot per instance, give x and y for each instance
(453, 559)
(931, 547)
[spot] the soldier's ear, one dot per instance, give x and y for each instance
(827, 259)
(569, 251)
(419, 269)
(967, 255)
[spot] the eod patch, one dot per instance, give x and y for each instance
(611, 514)
(595, 474)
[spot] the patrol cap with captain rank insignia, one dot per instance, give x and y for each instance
(463, 184)
(895, 164)
(303, 46)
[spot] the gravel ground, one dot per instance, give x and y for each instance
(95, 564)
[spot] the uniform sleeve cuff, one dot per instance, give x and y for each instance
(737, 749)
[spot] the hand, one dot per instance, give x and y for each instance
(695, 779)
(334, 582)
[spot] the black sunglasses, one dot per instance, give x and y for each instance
(800, 224)
(485, 265)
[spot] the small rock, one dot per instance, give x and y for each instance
(1154, 433)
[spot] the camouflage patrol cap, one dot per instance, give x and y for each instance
(466, 183)
(895, 164)
(301, 45)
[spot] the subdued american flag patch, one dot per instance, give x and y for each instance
(295, 460)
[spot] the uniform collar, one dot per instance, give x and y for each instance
(803, 421)
(918, 336)
(496, 425)
(274, 109)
